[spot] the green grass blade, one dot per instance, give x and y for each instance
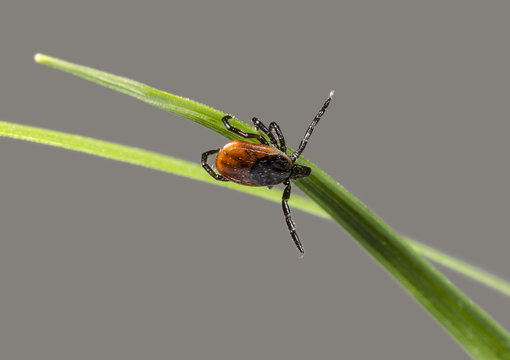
(475, 331)
(200, 113)
(461, 267)
(194, 171)
(143, 158)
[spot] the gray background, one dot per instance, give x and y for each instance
(104, 260)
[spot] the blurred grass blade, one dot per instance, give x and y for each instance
(475, 330)
(144, 158)
(461, 267)
(194, 171)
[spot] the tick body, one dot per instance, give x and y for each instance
(263, 164)
(252, 164)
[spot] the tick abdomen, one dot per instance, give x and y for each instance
(253, 164)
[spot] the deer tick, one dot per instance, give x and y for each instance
(264, 164)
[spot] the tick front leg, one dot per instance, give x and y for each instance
(288, 218)
(208, 168)
(309, 131)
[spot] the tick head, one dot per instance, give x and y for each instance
(299, 171)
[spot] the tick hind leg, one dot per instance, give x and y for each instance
(288, 218)
(239, 132)
(208, 168)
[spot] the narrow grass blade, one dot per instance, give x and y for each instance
(461, 267)
(475, 330)
(194, 171)
(143, 158)
(200, 113)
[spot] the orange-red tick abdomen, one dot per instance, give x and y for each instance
(241, 162)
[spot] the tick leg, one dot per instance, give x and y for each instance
(274, 127)
(280, 144)
(288, 218)
(309, 131)
(208, 168)
(259, 125)
(235, 130)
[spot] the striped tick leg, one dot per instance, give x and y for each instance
(309, 131)
(208, 168)
(246, 135)
(288, 218)
(273, 127)
(259, 125)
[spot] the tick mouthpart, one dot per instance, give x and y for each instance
(300, 171)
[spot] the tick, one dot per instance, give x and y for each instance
(264, 164)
